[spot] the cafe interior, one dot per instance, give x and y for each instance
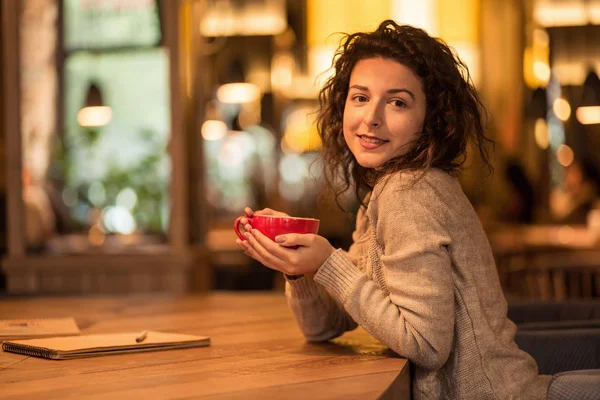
(134, 132)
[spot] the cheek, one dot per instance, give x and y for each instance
(346, 122)
(352, 119)
(414, 125)
(347, 132)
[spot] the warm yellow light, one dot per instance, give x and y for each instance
(536, 68)
(588, 115)
(266, 17)
(564, 155)
(540, 131)
(325, 18)
(282, 71)
(561, 109)
(569, 72)
(300, 132)
(303, 87)
(94, 116)
(566, 13)
(541, 71)
(213, 130)
(320, 64)
(238, 93)
(465, 11)
(463, 36)
(421, 14)
(528, 73)
(540, 38)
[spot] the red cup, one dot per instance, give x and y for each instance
(272, 226)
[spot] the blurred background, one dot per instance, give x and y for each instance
(134, 132)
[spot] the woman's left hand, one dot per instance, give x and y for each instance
(292, 254)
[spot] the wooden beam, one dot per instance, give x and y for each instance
(59, 57)
(11, 95)
(179, 224)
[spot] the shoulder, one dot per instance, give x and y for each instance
(409, 185)
(425, 199)
(416, 200)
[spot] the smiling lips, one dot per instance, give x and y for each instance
(370, 142)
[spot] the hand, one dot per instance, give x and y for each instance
(292, 254)
(267, 211)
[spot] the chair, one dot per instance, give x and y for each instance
(574, 385)
(524, 312)
(561, 350)
(564, 339)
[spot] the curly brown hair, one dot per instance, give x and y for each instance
(454, 115)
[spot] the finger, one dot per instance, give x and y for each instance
(295, 239)
(247, 249)
(250, 251)
(280, 253)
(265, 211)
(248, 211)
(271, 259)
(243, 245)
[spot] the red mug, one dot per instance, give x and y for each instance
(272, 226)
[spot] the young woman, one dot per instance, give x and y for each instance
(395, 120)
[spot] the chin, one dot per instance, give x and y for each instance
(373, 164)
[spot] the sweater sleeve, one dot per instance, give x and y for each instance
(409, 304)
(319, 315)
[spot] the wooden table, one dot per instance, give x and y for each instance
(257, 352)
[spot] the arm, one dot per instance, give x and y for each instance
(413, 310)
(318, 314)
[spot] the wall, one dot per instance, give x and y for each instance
(502, 87)
(38, 82)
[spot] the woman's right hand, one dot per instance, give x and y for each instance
(266, 211)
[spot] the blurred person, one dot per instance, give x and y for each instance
(571, 202)
(521, 201)
(395, 119)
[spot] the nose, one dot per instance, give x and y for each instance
(372, 117)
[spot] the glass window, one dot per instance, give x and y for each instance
(123, 167)
(106, 24)
(111, 166)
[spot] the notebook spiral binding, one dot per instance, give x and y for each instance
(26, 350)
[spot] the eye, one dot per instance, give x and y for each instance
(359, 98)
(398, 103)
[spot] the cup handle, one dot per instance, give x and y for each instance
(236, 229)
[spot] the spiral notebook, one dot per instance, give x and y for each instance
(69, 347)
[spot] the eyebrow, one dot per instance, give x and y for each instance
(391, 91)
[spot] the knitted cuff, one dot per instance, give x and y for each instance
(302, 287)
(338, 275)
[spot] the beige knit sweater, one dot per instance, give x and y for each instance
(421, 278)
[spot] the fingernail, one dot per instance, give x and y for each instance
(248, 227)
(280, 239)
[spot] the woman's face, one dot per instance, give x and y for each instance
(384, 111)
